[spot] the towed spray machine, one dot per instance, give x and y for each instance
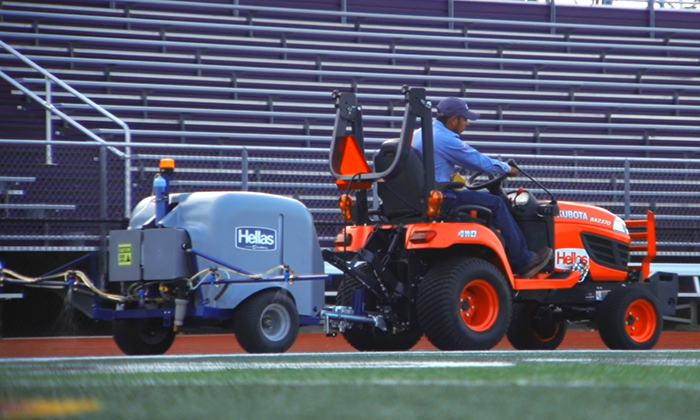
(248, 259)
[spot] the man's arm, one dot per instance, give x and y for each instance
(470, 158)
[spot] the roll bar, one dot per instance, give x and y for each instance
(347, 154)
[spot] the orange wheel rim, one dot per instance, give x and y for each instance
(478, 305)
(640, 320)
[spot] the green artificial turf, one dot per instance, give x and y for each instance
(430, 385)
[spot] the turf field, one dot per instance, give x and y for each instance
(581, 384)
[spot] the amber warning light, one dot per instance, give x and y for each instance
(345, 205)
(167, 163)
(435, 200)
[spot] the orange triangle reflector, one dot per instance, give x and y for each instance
(349, 160)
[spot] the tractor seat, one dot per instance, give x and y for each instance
(402, 196)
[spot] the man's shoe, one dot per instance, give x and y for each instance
(539, 261)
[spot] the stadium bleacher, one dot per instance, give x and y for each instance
(602, 105)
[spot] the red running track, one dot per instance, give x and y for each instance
(310, 342)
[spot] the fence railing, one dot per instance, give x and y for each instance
(314, 53)
(168, 28)
(450, 20)
(627, 186)
(48, 104)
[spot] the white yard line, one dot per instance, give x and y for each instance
(466, 383)
(432, 354)
(347, 361)
(32, 373)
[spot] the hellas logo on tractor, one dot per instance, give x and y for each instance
(565, 258)
(256, 238)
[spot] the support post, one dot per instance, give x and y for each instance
(102, 255)
(451, 13)
(244, 170)
(652, 18)
(49, 124)
(628, 200)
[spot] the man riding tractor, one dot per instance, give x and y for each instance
(414, 267)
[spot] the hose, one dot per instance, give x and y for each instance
(77, 277)
(68, 276)
(193, 286)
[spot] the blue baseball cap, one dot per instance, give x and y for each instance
(455, 107)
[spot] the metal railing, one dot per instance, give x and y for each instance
(450, 20)
(169, 28)
(313, 53)
(49, 107)
(623, 184)
(367, 75)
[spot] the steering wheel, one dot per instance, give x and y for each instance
(491, 183)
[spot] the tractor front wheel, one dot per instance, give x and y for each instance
(629, 319)
(535, 327)
(464, 304)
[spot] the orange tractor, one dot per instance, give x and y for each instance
(411, 269)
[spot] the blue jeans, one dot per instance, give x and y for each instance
(515, 245)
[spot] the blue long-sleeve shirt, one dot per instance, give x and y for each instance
(451, 151)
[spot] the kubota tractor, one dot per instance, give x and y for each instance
(411, 269)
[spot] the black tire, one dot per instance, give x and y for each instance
(629, 319)
(448, 319)
(535, 327)
(142, 336)
(267, 322)
(367, 337)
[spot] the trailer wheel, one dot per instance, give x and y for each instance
(366, 337)
(535, 327)
(629, 319)
(464, 304)
(267, 322)
(142, 336)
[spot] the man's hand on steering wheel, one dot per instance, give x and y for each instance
(493, 182)
(513, 171)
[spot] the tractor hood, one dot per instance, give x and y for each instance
(592, 218)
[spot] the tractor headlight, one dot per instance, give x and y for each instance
(620, 226)
(522, 198)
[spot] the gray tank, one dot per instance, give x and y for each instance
(250, 231)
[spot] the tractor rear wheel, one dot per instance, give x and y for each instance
(464, 304)
(367, 337)
(142, 336)
(267, 322)
(629, 319)
(535, 327)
